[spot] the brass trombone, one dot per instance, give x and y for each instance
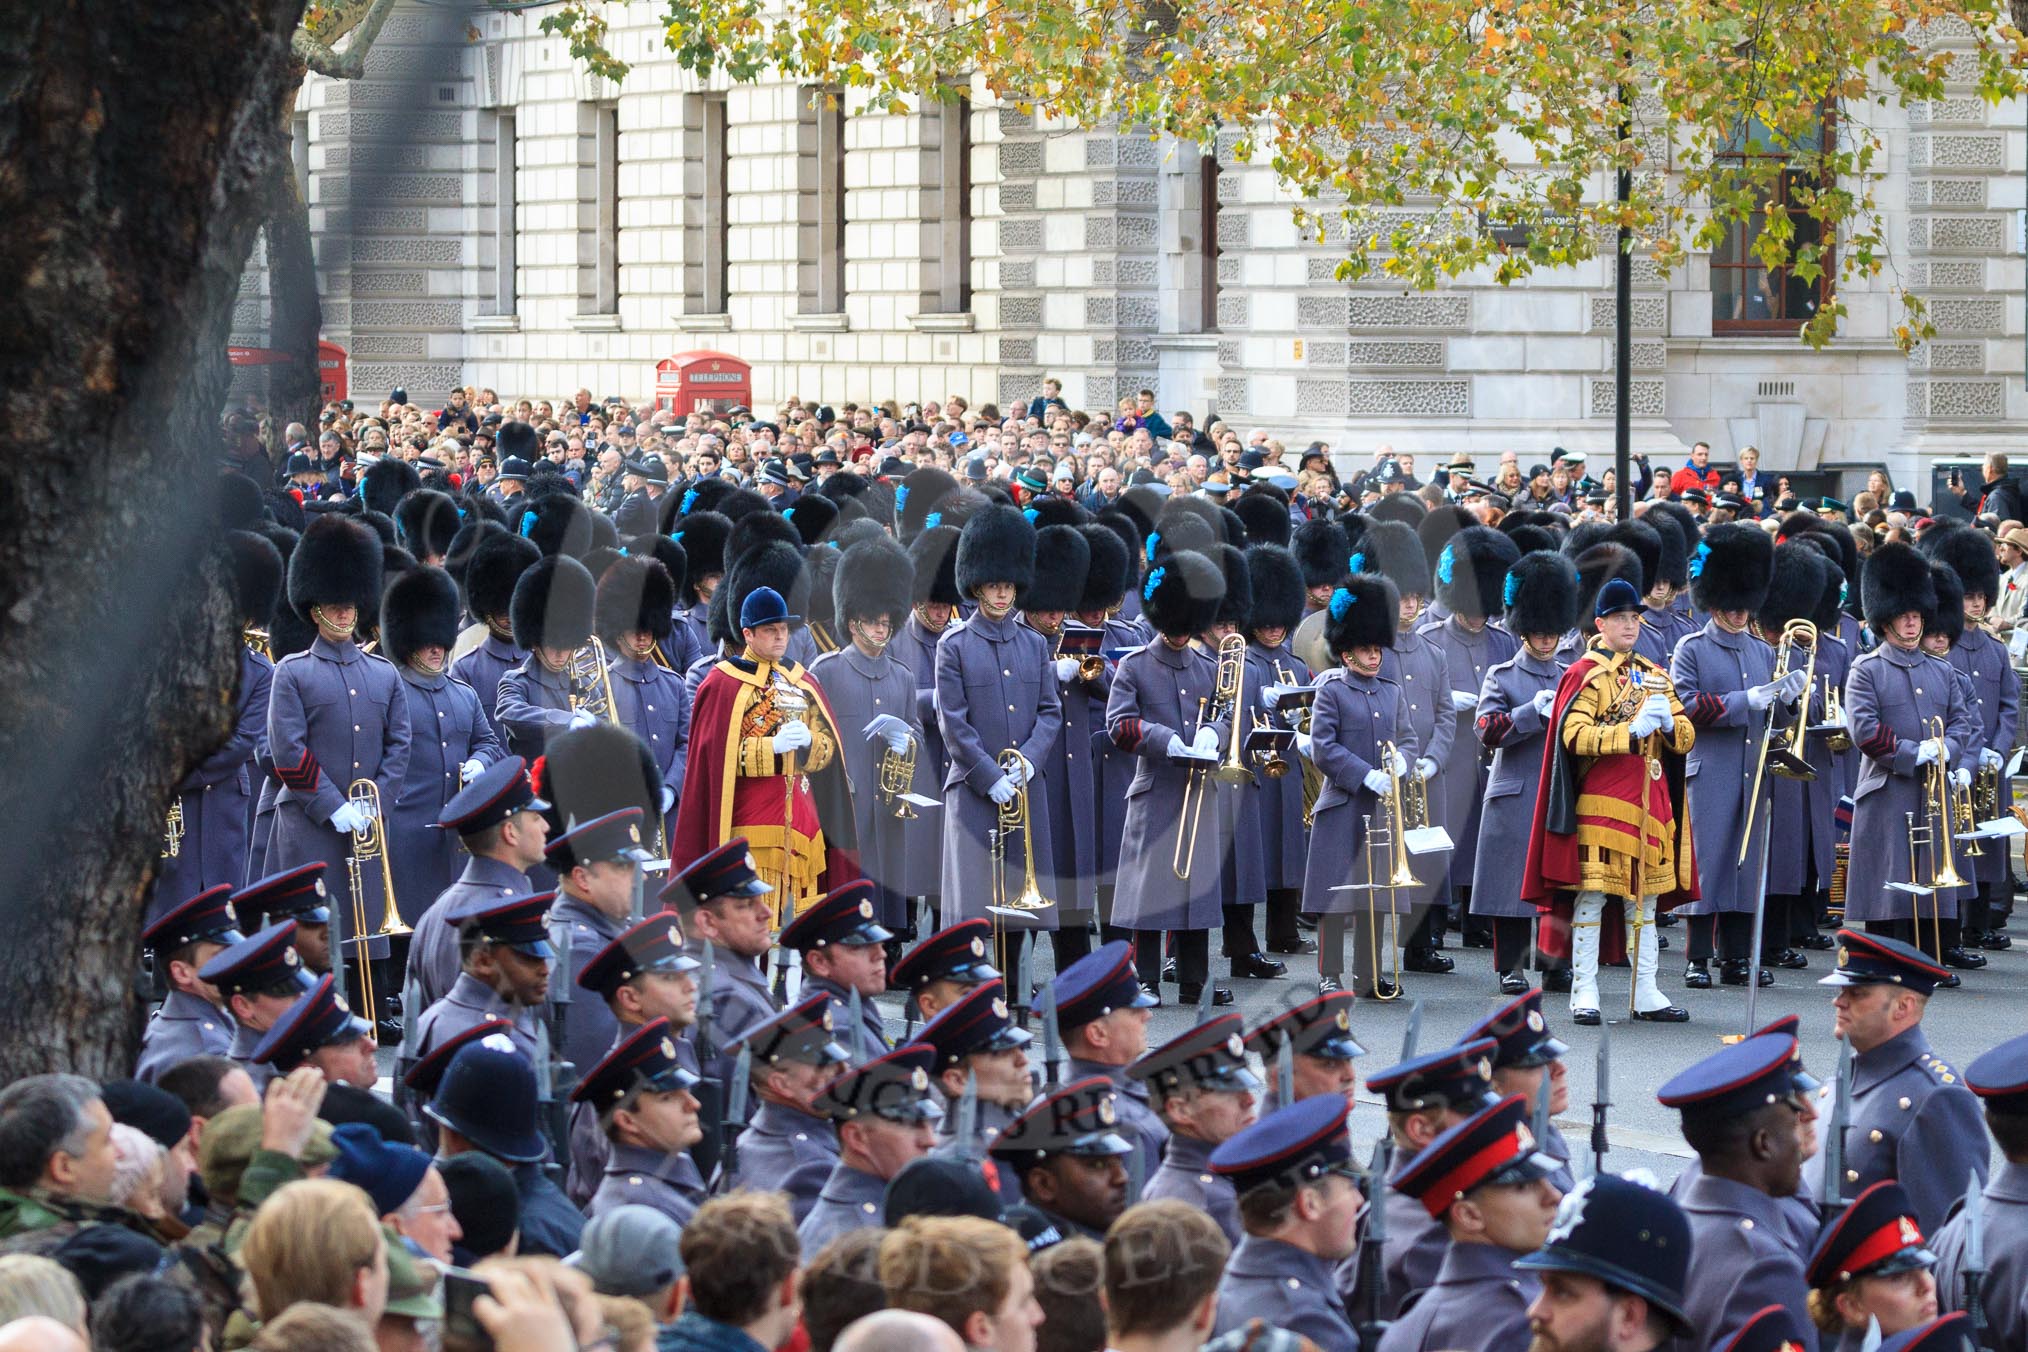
(1224, 699)
(590, 680)
(1786, 761)
(1391, 835)
(897, 776)
(368, 845)
(1937, 790)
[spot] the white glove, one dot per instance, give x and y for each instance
(1205, 740)
(899, 741)
(1003, 790)
(885, 726)
(1024, 775)
(1543, 700)
(792, 737)
(1400, 765)
(1463, 701)
(1990, 759)
(1925, 751)
(470, 770)
(1378, 783)
(668, 798)
(350, 818)
(1961, 779)
(1758, 697)
(1176, 748)
(1066, 668)
(1644, 723)
(1305, 743)
(581, 719)
(1425, 769)
(1271, 695)
(1793, 686)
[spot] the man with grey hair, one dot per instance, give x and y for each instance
(56, 1161)
(899, 1331)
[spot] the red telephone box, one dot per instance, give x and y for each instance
(703, 382)
(332, 378)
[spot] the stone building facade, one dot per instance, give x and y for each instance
(486, 213)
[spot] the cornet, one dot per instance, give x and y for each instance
(172, 830)
(897, 776)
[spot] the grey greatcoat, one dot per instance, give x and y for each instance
(1416, 1241)
(1740, 1261)
(1913, 1120)
(1186, 1177)
(994, 691)
(1890, 694)
(577, 931)
(850, 1200)
(1805, 811)
(1352, 716)
(783, 1142)
(217, 799)
(1289, 1288)
(860, 689)
(652, 704)
(1661, 631)
(1155, 695)
(1420, 667)
(1278, 806)
(1468, 656)
(534, 705)
(335, 715)
(1996, 704)
(2005, 1289)
(1509, 725)
(448, 729)
(1478, 1303)
(1067, 781)
(482, 669)
(1711, 670)
(185, 1026)
(471, 1003)
(739, 1002)
(1116, 767)
(433, 948)
(1247, 881)
(638, 1176)
(1855, 638)
(922, 852)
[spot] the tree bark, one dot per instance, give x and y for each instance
(296, 318)
(137, 141)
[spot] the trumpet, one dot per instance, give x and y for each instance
(1272, 763)
(591, 681)
(1839, 738)
(370, 844)
(172, 830)
(897, 775)
(258, 640)
(1012, 817)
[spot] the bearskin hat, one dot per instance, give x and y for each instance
(772, 564)
(1232, 529)
(586, 773)
(664, 551)
(1107, 570)
(1266, 518)
(1436, 529)
(1795, 588)
(1236, 606)
(997, 545)
(1540, 594)
(701, 496)
(475, 531)
(1181, 594)
(1896, 581)
(934, 556)
(1184, 523)
(1406, 508)
(851, 532)
(1392, 550)
(241, 504)
(605, 535)
(1054, 511)
(703, 536)
(497, 564)
(1277, 583)
(386, 482)
(1674, 560)
(1142, 503)
(813, 516)
(286, 506)
(516, 438)
(1687, 526)
(1646, 542)
(256, 576)
(1947, 617)
(635, 594)
(380, 523)
(1129, 534)
(843, 487)
(1731, 568)
(755, 527)
(599, 558)
(426, 522)
(1966, 551)
(919, 496)
(420, 610)
(553, 604)
(1321, 549)
(1061, 560)
(1471, 571)
(1830, 605)
(1532, 539)
(1364, 612)
(820, 569)
(336, 563)
(1597, 566)
(718, 625)
(874, 578)
(1583, 535)
(557, 524)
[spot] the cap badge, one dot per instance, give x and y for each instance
(826, 1020)
(338, 1003)
(866, 910)
(918, 1078)
(1524, 1137)
(633, 833)
(1570, 1213)
(978, 948)
(668, 1049)
(1000, 1009)
(1345, 1020)
(1844, 955)
(1485, 1068)
(1106, 1112)
(1235, 1046)
(289, 958)
(1534, 1020)
(318, 884)
(1908, 1231)
(752, 867)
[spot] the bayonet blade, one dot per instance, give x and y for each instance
(1413, 1033)
(968, 1115)
(1052, 1035)
(1285, 1072)
(735, 1102)
(856, 1011)
(1975, 1226)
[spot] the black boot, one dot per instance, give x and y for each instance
(1697, 975)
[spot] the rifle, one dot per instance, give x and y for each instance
(1413, 1033)
(405, 1057)
(1974, 1270)
(1539, 1122)
(733, 1121)
(856, 1011)
(1285, 1072)
(1831, 1189)
(709, 1092)
(1373, 1248)
(1601, 1101)
(968, 1116)
(554, 1080)
(1052, 1038)
(781, 983)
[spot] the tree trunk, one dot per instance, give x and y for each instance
(295, 318)
(138, 140)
